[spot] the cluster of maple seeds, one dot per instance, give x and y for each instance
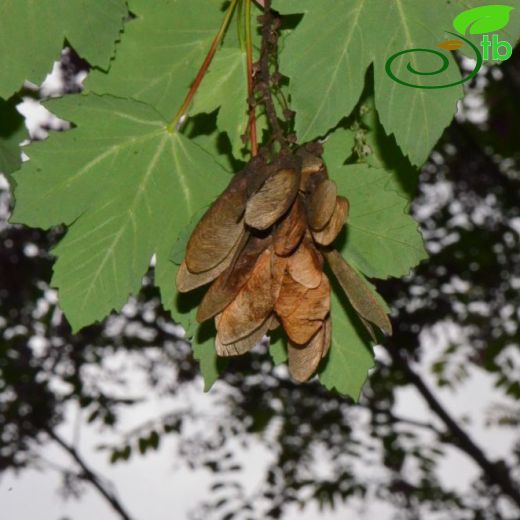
(262, 243)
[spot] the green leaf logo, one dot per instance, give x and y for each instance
(480, 20)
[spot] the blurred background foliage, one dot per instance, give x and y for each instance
(456, 313)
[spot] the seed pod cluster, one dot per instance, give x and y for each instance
(262, 246)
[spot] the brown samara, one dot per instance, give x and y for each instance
(262, 246)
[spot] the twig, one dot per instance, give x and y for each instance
(88, 474)
(495, 472)
(418, 424)
(250, 81)
(263, 85)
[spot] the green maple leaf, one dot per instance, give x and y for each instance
(350, 357)
(173, 38)
(382, 239)
(211, 365)
(118, 180)
(160, 52)
(225, 88)
(34, 33)
(327, 67)
(278, 347)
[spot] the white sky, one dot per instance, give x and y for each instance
(157, 487)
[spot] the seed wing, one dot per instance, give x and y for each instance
(305, 265)
(304, 360)
(357, 291)
(322, 204)
(273, 199)
(187, 281)
(243, 345)
(329, 233)
(288, 234)
(311, 164)
(218, 230)
(327, 340)
(224, 289)
(278, 270)
(289, 297)
(252, 305)
(308, 312)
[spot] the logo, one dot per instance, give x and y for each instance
(477, 21)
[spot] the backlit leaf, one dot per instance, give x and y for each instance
(34, 33)
(118, 192)
(381, 239)
(225, 88)
(327, 67)
(160, 52)
(350, 357)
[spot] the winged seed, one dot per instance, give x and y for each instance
(321, 204)
(358, 292)
(272, 200)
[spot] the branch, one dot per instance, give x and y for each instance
(250, 81)
(263, 85)
(89, 475)
(418, 424)
(495, 472)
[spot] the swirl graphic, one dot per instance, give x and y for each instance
(444, 65)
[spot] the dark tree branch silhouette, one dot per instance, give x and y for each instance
(90, 476)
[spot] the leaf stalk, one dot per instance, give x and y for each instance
(173, 125)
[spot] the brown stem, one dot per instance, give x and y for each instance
(89, 475)
(172, 126)
(263, 85)
(250, 81)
